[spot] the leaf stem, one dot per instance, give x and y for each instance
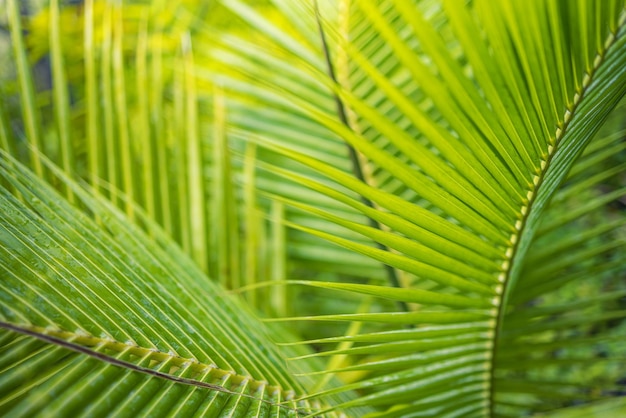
(92, 352)
(391, 273)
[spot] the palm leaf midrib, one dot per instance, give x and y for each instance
(525, 234)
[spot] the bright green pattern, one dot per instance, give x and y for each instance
(215, 160)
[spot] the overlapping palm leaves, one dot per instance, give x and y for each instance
(466, 120)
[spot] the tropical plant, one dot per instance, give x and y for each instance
(390, 208)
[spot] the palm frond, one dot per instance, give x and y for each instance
(478, 170)
(440, 219)
(117, 299)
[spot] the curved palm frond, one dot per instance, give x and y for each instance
(104, 300)
(477, 142)
(434, 243)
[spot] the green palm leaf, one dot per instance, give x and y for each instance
(514, 158)
(439, 218)
(123, 301)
